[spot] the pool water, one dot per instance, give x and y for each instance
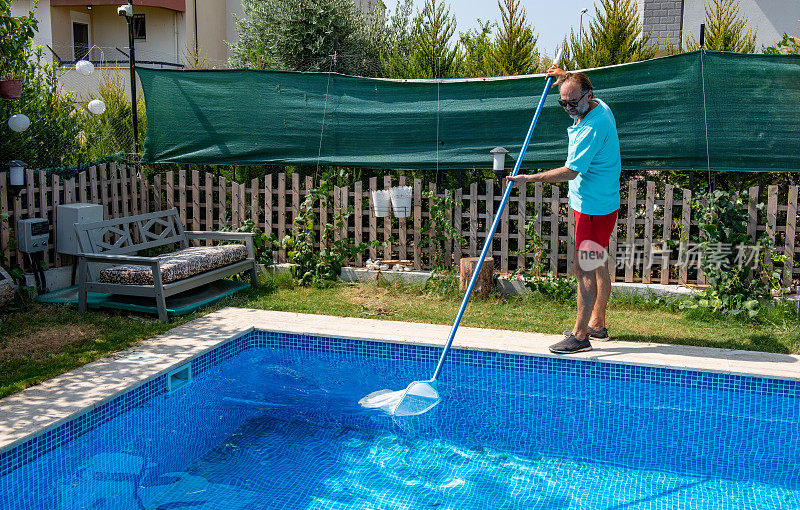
(281, 429)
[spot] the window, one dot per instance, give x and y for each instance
(139, 30)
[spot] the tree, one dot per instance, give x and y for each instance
(432, 53)
(725, 31)
(614, 37)
(395, 40)
(789, 45)
(477, 47)
(421, 47)
(111, 132)
(52, 139)
(514, 51)
(302, 35)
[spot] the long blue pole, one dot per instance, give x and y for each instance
(492, 230)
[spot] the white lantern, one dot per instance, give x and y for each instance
(499, 154)
(19, 122)
(96, 106)
(17, 173)
(84, 67)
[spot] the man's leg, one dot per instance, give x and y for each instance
(587, 297)
(578, 340)
(603, 279)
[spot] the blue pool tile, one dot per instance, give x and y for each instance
(506, 364)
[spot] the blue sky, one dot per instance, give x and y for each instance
(551, 20)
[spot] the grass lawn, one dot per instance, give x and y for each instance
(40, 342)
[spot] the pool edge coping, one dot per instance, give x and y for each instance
(20, 419)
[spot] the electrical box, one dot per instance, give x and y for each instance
(34, 234)
(67, 215)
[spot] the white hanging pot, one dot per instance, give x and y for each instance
(380, 203)
(401, 201)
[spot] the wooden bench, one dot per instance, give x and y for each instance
(110, 263)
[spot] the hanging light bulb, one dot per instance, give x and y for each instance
(96, 106)
(19, 122)
(84, 67)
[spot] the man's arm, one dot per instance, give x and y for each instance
(552, 176)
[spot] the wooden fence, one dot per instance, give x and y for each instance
(650, 214)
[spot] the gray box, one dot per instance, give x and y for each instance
(67, 216)
(34, 234)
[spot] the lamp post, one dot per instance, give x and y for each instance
(499, 163)
(127, 11)
(583, 11)
(17, 180)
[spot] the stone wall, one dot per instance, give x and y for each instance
(663, 20)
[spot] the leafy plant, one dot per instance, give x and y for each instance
(725, 31)
(788, 45)
(551, 285)
(52, 139)
(737, 285)
(438, 229)
(16, 34)
(319, 266)
(559, 288)
(534, 244)
(614, 37)
(261, 242)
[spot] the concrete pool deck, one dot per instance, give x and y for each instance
(45, 406)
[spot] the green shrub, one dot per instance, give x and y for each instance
(16, 34)
(112, 131)
(318, 266)
(736, 285)
(438, 230)
(52, 139)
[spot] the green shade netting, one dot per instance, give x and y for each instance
(240, 117)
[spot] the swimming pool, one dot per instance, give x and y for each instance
(271, 421)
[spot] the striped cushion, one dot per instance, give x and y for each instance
(176, 266)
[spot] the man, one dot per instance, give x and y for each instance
(592, 168)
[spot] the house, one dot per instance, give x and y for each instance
(675, 20)
(166, 32)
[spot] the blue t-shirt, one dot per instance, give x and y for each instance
(594, 154)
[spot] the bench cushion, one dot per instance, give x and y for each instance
(177, 265)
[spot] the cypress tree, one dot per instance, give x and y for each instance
(614, 37)
(477, 46)
(514, 51)
(725, 31)
(433, 55)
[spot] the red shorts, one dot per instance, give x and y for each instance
(595, 228)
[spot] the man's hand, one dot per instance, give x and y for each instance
(555, 175)
(520, 178)
(557, 73)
